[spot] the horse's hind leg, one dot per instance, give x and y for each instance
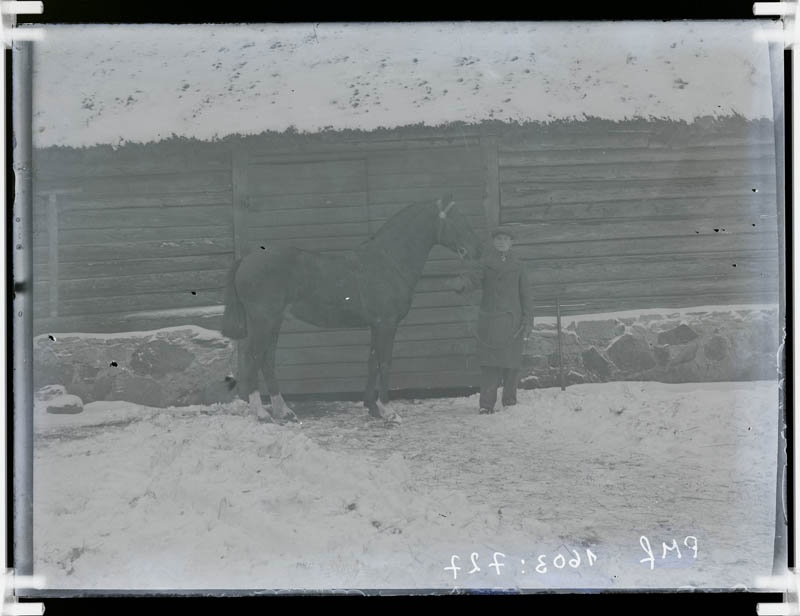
(280, 410)
(254, 353)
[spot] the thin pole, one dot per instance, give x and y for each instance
(560, 350)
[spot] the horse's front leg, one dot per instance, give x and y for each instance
(383, 349)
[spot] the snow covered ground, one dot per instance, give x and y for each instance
(568, 490)
(117, 84)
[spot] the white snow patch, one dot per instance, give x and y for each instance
(114, 84)
(207, 497)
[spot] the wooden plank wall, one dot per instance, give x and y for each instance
(135, 231)
(611, 216)
(619, 217)
(332, 201)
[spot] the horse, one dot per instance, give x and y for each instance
(371, 286)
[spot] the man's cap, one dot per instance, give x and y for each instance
(503, 230)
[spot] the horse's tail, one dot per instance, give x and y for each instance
(234, 321)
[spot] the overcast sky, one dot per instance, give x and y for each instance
(116, 84)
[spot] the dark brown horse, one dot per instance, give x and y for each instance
(370, 287)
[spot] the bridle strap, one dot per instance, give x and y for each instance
(442, 218)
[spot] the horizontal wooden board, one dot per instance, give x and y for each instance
(699, 244)
(259, 227)
(604, 138)
(431, 179)
(118, 322)
(442, 160)
(263, 150)
(167, 184)
(155, 249)
(415, 194)
(307, 216)
(197, 281)
(638, 170)
(142, 160)
(354, 370)
(130, 267)
(81, 201)
(589, 157)
(761, 289)
(146, 217)
(252, 239)
(405, 352)
(149, 236)
(295, 334)
(383, 211)
(335, 176)
(531, 193)
(603, 305)
(650, 268)
(308, 201)
(427, 381)
(752, 205)
(146, 301)
(612, 230)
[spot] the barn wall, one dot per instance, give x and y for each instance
(639, 216)
(129, 230)
(611, 216)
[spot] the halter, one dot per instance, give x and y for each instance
(442, 218)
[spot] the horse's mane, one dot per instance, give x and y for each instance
(402, 218)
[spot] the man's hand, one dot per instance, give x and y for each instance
(527, 331)
(458, 285)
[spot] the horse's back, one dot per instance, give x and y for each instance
(264, 275)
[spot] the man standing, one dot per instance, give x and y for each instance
(506, 317)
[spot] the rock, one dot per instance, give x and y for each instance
(529, 382)
(716, 348)
(662, 355)
(158, 358)
(683, 354)
(599, 332)
(542, 343)
(594, 362)
(49, 392)
(631, 354)
(139, 390)
(678, 335)
(573, 377)
(55, 399)
(166, 367)
(536, 363)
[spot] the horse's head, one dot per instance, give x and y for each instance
(455, 232)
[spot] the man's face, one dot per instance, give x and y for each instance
(502, 242)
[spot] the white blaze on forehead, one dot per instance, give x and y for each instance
(116, 84)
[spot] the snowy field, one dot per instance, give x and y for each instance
(568, 490)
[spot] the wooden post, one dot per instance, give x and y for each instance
(239, 160)
(52, 255)
(560, 350)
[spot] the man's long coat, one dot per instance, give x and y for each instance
(506, 310)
